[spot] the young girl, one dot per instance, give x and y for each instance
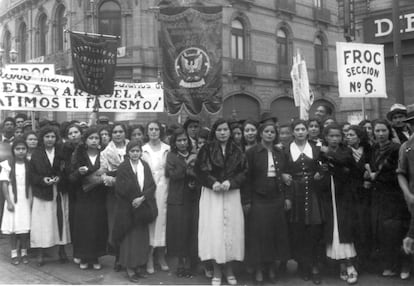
(18, 199)
(338, 203)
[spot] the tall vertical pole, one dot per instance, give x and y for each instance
(398, 86)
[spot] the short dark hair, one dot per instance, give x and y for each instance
(386, 123)
(9, 119)
(45, 130)
(21, 115)
(177, 132)
(162, 130)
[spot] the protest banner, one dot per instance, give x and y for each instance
(191, 48)
(22, 91)
(36, 69)
(361, 70)
(94, 63)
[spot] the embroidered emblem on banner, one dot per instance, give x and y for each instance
(192, 66)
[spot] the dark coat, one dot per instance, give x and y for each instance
(340, 164)
(80, 158)
(40, 168)
(126, 190)
(257, 161)
(211, 166)
(388, 202)
(180, 175)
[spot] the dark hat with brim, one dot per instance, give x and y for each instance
(396, 109)
(267, 116)
(410, 114)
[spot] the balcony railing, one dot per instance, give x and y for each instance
(287, 6)
(321, 15)
(283, 72)
(243, 68)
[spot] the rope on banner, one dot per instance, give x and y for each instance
(93, 34)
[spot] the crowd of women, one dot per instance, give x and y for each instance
(259, 193)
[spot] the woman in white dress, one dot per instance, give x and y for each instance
(221, 169)
(154, 152)
(50, 211)
(14, 176)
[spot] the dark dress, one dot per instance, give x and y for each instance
(268, 238)
(90, 226)
(129, 234)
(181, 206)
(340, 165)
(306, 215)
(362, 199)
(389, 210)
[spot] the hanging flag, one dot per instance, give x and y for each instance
(94, 63)
(302, 93)
(191, 48)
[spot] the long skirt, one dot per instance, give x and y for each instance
(134, 247)
(45, 227)
(268, 237)
(181, 229)
(221, 226)
(90, 226)
(337, 250)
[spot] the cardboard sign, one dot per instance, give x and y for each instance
(361, 70)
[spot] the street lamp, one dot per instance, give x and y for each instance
(13, 56)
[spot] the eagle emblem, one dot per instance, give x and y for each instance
(192, 66)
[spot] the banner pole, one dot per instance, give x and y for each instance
(363, 108)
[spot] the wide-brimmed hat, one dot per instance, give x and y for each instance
(267, 116)
(395, 109)
(410, 113)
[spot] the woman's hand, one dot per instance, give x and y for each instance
(137, 202)
(225, 186)
(287, 179)
(217, 187)
(83, 170)
(10, 206)
(288, 205)
(108, 180)
(48, 181)
(317, 176)
(56, 179)
(324, 149)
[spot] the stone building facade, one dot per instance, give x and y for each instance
(260, 38)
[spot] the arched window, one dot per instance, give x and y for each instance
(282, 46)
(321, 61)
(109, 18)
(60, 23)
(7, 46)
(23, 42)
(42, 36)
(238, 40)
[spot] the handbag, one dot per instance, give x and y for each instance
(146, 213)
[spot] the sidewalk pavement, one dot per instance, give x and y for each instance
(54, 272)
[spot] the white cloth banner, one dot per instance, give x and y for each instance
(301, 90)
(19, 91)
(361, 70)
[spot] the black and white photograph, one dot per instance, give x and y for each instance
(207, 142)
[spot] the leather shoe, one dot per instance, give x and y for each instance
(316, 278)
(134, 278)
